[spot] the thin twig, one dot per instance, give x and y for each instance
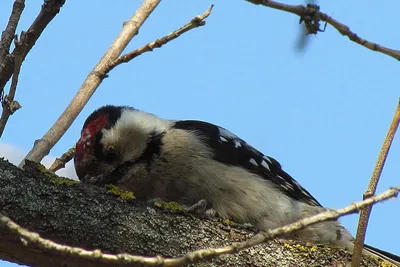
(9, 104)
(192, 257)
(366, 212)
(49, 10)
(59, 163)
(303, 12)
(192, 24)
(42, 146)
(130, 28)
(9, 33)
(197, 21)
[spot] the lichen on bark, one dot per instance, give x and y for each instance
(88, 217)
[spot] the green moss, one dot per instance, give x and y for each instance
(381, 262)
(170, 206)
(300, 250)
(42, 169)
(116, 191)
(54, 178)
(229, 222)
(63, 181)
(386, 264)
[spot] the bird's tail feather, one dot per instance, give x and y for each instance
(393, 259)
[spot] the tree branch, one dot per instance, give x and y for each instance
(49, 10)
(102, 224)
(366, 212)
(10, 64)
(9, 104)
(59, 163)
(130, 28)
(197, 21)
(311, 15)
(9, 33)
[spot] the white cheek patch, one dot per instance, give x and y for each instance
(109, 137)
(145, 121)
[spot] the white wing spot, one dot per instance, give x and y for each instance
(298, 185)
(252, 161)
(237, 144)
(265, 164)
(267, 159)
(227, 134)
(288, 185)
(305, 193)
(280, 177)
(284, 186)
(223, 139)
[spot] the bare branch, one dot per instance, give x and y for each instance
(312, 12)
(59, 163)
(42, 146)
(129, 260)
(197, 21)
(8, 103)
(365, 213)
(301, 224)
(9, 33)
(130, 28)
(49, 10)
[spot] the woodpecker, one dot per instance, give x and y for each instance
(189, 161)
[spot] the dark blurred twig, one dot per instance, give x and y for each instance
(313, 15)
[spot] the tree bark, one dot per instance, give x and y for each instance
(90, 217)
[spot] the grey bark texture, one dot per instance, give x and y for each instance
(91, 218)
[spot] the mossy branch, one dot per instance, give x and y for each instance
(106, 227)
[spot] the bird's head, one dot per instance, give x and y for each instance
(93, 155)
(111, 136)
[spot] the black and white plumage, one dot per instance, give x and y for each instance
(188, 161)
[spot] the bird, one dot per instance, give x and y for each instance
(192, 162)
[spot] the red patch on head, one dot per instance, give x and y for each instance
(91, 128)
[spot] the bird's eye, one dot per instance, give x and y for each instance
(110, 154)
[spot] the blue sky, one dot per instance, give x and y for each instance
(322, 113)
